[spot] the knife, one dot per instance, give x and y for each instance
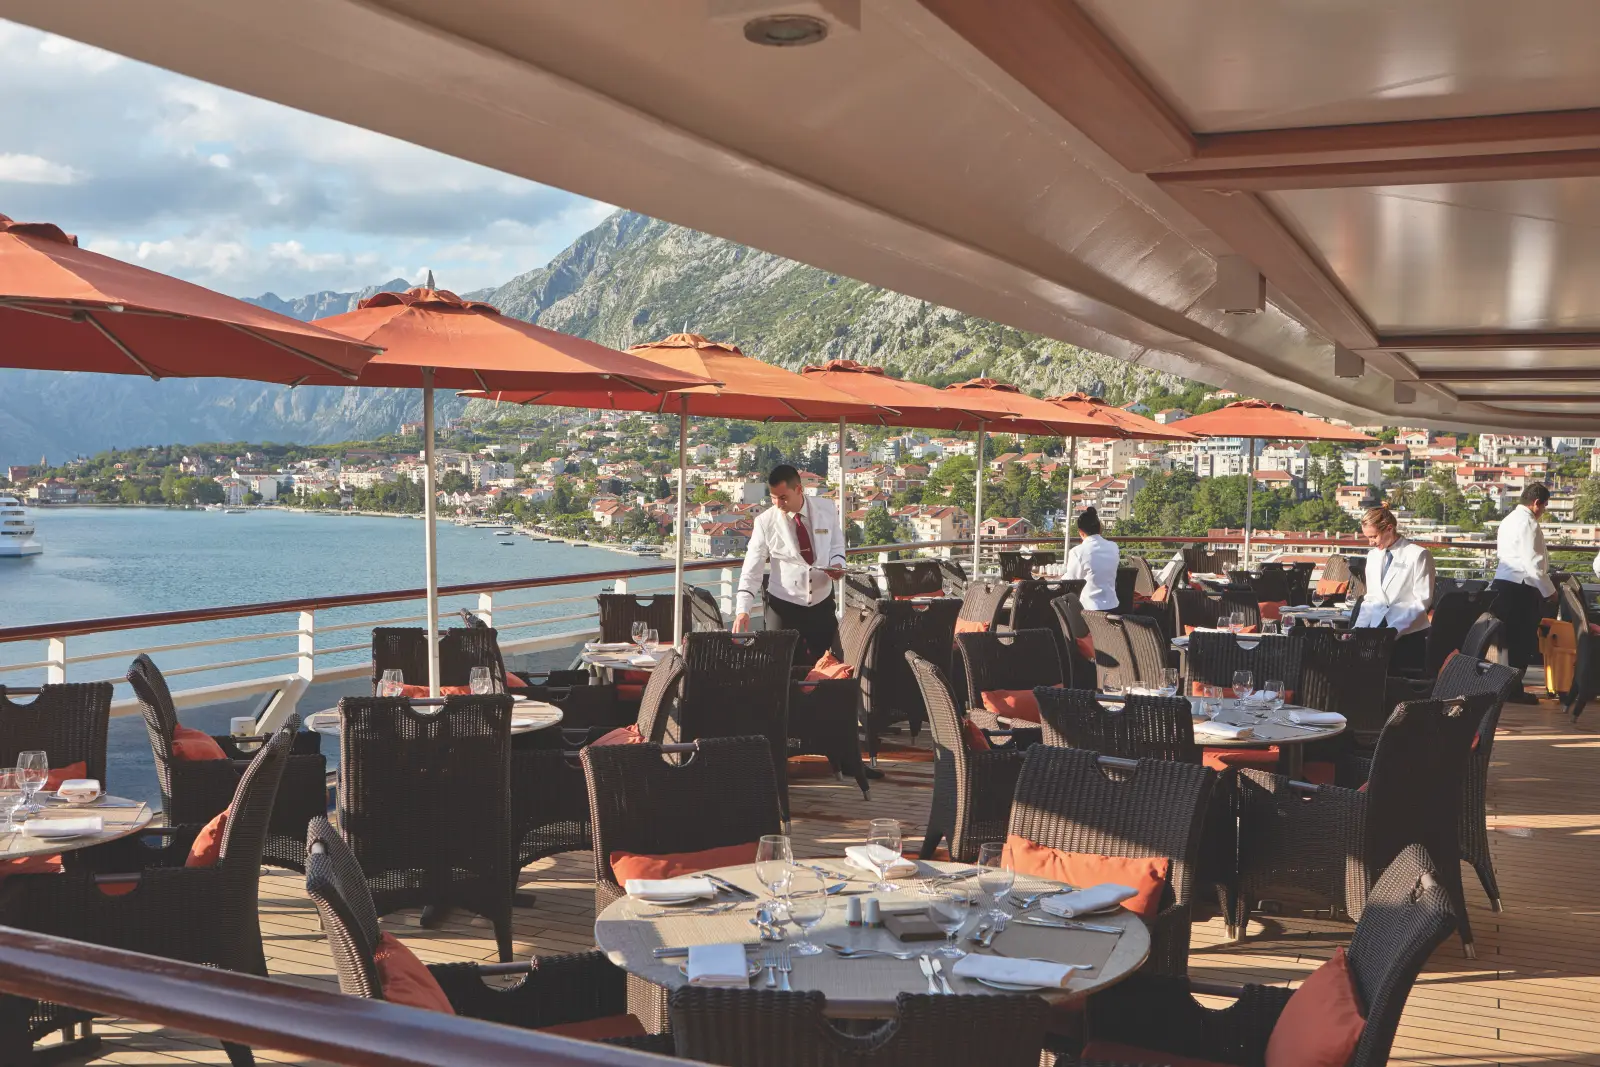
(1070, 924)
(727, 886)
(672, 952)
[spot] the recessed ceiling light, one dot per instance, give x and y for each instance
(785, 31)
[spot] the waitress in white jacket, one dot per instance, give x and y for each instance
(1399, 587)
(1094, 559)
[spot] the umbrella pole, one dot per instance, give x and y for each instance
(1249, 500)
(1072, 476)
(844, 515)
(683, 484)
(430, 531)
(977, 506)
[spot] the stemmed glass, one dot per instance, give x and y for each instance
(652, 639)
(389, 685)
(1273, 692)
(1169, 681)
(1244, 688)
(480, 681)
(995, 876)
(33, 768)
(1213, 700)
(638, 630)
(884, 832)
(774, 862)
(1236, 622)
(808, 903)
(11, 797)
(947, 909)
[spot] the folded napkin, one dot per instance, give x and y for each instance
(643, 661)
(610, 646)
(1307, 717)
(1016, 972)
(1072, 905)
(669, 888)
(74, 827)
(79, 786)
(886, 863)
(718, 966)
(1222, 730)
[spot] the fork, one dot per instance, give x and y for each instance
(870, 953)
(710, 909)
(785, 965)
(944, 983)
(769, 960)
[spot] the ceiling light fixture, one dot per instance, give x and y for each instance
(785, 31)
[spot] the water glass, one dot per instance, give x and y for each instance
(11, 798)
(774, 862)
(947, 909)
(637, 631)
(1213, 700)
(389, 685)
(1244, 687)
(808, 903)
(1169, 681)
(652, 639)
(1236, 622)
(995, 876)
(33, 769)
(480, 681)
(1271, 626)
(885, 832)
(1273, 693)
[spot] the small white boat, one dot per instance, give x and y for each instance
(16, 531)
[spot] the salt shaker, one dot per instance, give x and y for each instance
(852, 911)
(873, 916)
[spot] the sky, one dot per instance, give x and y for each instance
(247, 196)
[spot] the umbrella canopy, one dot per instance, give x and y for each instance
(1030, 415)
(1131, 425)
(65, 308)
(1260, 420)
(912, 404)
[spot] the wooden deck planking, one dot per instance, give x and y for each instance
(1531, 997)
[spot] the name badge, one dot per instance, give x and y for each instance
(822, 529)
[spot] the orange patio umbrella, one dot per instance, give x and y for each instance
(65, 308)
(432, 337)
(1258, 420)
(743, 388)
(1029, 415)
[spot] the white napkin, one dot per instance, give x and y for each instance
(669, 888)
(75, 827)
(718, 966)
(79, 786)
(643, 661)
(1307, 717)
(1016, 972)
(609, 646)
(1222, 730)
(883, 862)
(1072, 905)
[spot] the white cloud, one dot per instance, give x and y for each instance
(86, 57)
(35, 170)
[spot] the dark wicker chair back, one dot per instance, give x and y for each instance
(1031, 610)
(1570, 605)
(913, 577)
(1203, 559)
(619, 611)
(461, 648)
(660, 698)
(425, 803)
(1239, 603)
(1144, 579)
(1486, 640)
(1441, 586)
(244, 837)
(1346, 671)
(1022, 659)
(1193, 607)
(738, 1027)
(1078, 667)
(704, 612)
(1113, 658)
(860, 591)
(1300, 582)
(1333, 585)
(1271, 583)
(929, 630)
(1463, 676)
(1214, 656)
(1454, 614)
(1145, 727)
(335, 884)
(68, 722)
(1148, 647)
(1127, 578)
(984, 603)
(1066, 800)
(954, 576)
(1016, 565)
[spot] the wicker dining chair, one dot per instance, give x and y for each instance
(824, 716)
(860, 591)
(972, 789)
(194, 791)
(1204, 559)
(67, 721)
(207, 915)
(1113, 658)
(1068, 799)
(1485, 641)
(1300, 582)
(1270, 584)
(581, 987)
(1144, 727)
(1144, 579)
(703, 610)
(1327, 844)
(984, 605)
(1214, 656)
(1344, 671)
(1442, 586)
(619, 611)
(1192, 607)
(1572, 607)
(1020, 659)
(913, 577)
(926, 628)
(954, 577)
(742, 1027)
(1017, 565)
(1147, 644)
(425, 804)
(1152, 1019)
(1127, 578)
(461, 648)
(1078, 659)
(1454, 614)
(1333, 586)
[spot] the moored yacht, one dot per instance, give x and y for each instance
(16, 532)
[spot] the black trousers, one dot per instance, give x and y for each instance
(817, 625)
(1411, 651)
(1520, 607)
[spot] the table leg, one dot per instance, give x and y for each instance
(1291, 761)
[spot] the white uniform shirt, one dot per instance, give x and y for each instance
(773, 540)
(1401, 596)
(1094, 559)
(1523, 557)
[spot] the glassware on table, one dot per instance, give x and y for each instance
(480, 681)
(885, 832)
(995, 876)
(808, 903)
(1244, 688)
(774, 862)
(1236, 622)
(11, 798)
(637, 631)
(1273, 692)
(1225, 623)
(1169, 681)
(947, 909)
(652, 639)
(389, 685)
(1212, 706)
(33, 770)
(1271, 626)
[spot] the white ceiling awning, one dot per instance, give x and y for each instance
(1419, 183)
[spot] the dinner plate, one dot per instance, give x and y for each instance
(672, 902)
(753, 965)
(1008, 987)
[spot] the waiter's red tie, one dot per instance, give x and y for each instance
(802, 537)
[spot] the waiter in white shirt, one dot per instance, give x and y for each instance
(1400, 578)
(802, 538)
(1094, 559)
(1522, 578)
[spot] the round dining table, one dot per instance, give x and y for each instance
(526, 717)
(620, 657)
(119, 818)
(1268, 728)
(629, 931)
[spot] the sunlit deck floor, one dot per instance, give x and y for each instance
(1532, 996)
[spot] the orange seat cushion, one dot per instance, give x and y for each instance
(1322, 1022)
(1011, 703)
(973, 736)
(207, 847)
(1271, 609)
(515, 681)
(627, 865)
(1116, 1052)
(192, 744)
(406, 979)
(30, 865)
(971, 626)
(1085, 646)
(73, 770)
(1220, 759)
(1161, 594)
(598, 1029)
(1319, 772)
(622, 735)
(630, 692)
(829, 667)
(1332, 587)
(420, 692)
(1144, 874)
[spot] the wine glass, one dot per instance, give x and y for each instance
(652, 639)
(11, 799)
(33, 768)
(389, 685)
(1244, 687)
(1213, 702)
(1271, 626)
(886, 834)
(1273, 692)
(995, 876)
(1169, 681)
(774, 862)
(947, 909)
(808, 903)
(638, 630)
(1225, 623)
(480, 681)
(1236, 622)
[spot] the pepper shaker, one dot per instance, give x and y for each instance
(873, 916)
(852, 911)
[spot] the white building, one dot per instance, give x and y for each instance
(365, 477)
(1497, 447)
(1292, 459)
(742, 490)
(1107, 457)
